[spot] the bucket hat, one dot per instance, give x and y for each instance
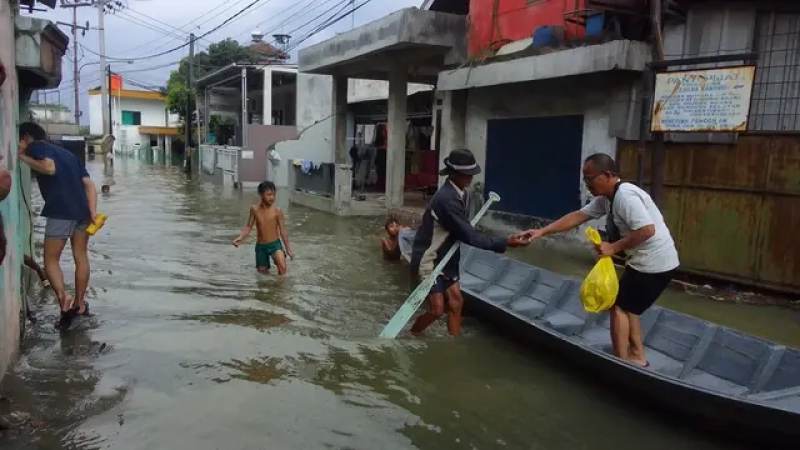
(461, 161)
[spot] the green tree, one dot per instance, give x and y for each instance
(219, 55)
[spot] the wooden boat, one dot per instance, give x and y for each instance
(719, 376)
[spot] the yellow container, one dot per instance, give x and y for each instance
(98, 223)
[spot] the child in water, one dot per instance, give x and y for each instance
(271, 229)
(390, 244)
(106, 189)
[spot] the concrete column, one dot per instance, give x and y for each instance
(339, 120)
(266, 104)
(454, 125)
(343, 176)
(396, 134)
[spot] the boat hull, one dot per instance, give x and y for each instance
(704, 374)
(731, 418)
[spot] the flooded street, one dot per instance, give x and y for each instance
(191, 349)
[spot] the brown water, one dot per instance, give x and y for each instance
(190, 349)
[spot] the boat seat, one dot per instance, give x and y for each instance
(784, 378)
(515, 280)
(569, 317)
(540, 296)
(731, 363)
(671, 340)
(599, 336)
(481, 267)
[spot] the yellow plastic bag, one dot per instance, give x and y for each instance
(599, 289)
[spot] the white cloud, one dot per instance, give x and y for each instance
(149, 27)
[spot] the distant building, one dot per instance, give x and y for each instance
(139, 118)
(56, 119)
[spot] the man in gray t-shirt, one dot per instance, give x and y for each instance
(643, 236)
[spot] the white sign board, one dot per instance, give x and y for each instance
(703, 101)
(247, 154)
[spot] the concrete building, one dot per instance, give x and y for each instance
(280, 105)
(31, 51)
(140, 119)
(56, 119)
(534, 88)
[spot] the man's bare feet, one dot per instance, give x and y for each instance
(641, 362)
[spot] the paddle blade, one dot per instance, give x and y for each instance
(407, 311)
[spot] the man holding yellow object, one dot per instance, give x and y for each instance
(636, 227)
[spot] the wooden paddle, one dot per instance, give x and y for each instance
(404, 314)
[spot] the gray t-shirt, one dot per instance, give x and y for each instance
(634, 209)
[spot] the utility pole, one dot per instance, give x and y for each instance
(105, 80)
(75, 73)
(188, 121)
(103, 6)
(110, 122)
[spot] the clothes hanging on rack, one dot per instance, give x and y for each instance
(369, 134)
(365, 172)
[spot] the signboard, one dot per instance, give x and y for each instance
(248, 154)
(115, 82)
(703, 101)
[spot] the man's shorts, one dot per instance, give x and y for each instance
(638, 290)
(264, 252)
(63, 229)
(442, 283)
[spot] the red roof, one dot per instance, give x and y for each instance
(268, 50)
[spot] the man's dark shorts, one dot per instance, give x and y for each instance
(638, 290)
(443, 282)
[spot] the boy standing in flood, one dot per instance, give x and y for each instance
(271, 228)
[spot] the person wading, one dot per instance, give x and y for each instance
(445, 223)
(70, 204)
(636, 227)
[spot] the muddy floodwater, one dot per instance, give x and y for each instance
(191, 349)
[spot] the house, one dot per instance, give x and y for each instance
(139, 119)
(283, 111)
(532, 88)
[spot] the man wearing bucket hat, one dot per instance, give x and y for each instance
(445, 223)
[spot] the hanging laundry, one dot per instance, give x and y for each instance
(274, 157)
(307, 167)
(369, 134)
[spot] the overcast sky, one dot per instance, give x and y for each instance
(148, 27)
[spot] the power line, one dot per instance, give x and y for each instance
(181, 28)
(166, 52)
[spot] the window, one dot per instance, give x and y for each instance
(775, 103)
(131, 118)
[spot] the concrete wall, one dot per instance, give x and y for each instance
(10, 207)
(314, 93)
(260, 138)
(605, 105)
(313, 143)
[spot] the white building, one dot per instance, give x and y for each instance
(139, 119)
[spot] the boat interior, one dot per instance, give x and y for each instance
(679, 347)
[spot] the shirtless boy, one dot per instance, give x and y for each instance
(390, 244)
(271, 229)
